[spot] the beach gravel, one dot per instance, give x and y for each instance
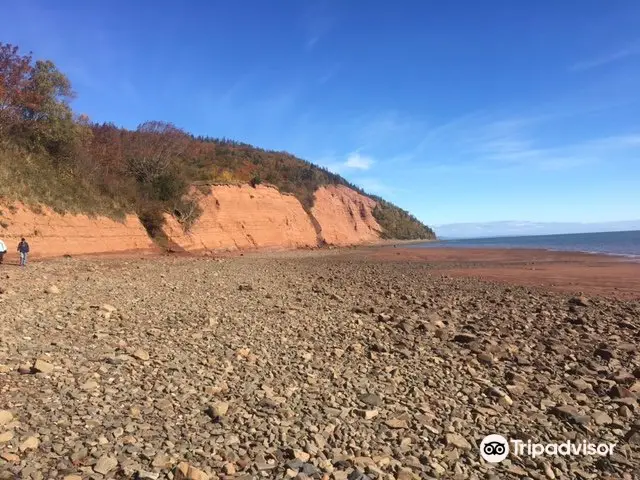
(317, 365)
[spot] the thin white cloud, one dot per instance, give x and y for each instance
(358, 161)
(318, 20)
(328, 75)
(629, 51)
(311, 42)
(355, 161)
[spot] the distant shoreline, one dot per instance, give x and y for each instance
(566, 271)
(619, 244)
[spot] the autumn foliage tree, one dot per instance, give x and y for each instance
(34, 105)
(52, 155)
(16, 96)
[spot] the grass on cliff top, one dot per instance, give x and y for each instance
(32, 179)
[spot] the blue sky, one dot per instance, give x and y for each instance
(458, 111)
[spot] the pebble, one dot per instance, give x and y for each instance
(31, 443)
(10, 457)
(42, 366)
(105, 464)
(185, 471)
(141, 354)
(396, 423)
(5, 417)
(458, 440)
(52, 289)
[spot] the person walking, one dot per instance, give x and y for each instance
(3, 250)
(23, 248)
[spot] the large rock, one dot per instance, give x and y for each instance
(185, 471)
(5, 417)
(105, 464)
(42, 366)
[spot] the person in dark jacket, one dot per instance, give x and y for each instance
(23, 248)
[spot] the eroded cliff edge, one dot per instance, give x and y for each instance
(51, 234)
(234, 217)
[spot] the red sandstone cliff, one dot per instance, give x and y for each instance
(345, 216)
(51, 234)
(242, 217)
(233, 217)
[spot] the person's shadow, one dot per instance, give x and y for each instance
(12, 263)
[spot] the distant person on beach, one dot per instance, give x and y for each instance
(3, 250)
(23, 248)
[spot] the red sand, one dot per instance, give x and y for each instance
(563, 271)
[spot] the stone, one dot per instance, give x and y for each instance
(105, 464)
(458, 441)
(464, 338)
(89, 385)
(601, 418)
(218, 409)
(368, 414)
(548, 471)
(603, 353)
(263, 464)
(396, 423)
(371, 399)
(10, 457)
(625, 412)
(581, 385)
(580, 301)
(108, 308)
(52, 289)
(5, 417)
(42, 366)
(31, 443)
(618, 391)
(302, 456)
(570, 413)
(163, 461)
(486, 358)
(6, 437)
(406, 474)
(230, 469)
(72, 477)
(141, 354)
(144, 475)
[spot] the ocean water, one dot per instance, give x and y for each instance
(610, 243)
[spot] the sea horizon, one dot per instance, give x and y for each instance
(511, 235)
(617, 243)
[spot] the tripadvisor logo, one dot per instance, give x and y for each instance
(495, 448)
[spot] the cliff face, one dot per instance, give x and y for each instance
(345, 216)
(51, 234)
(233, 218)
(242, 217)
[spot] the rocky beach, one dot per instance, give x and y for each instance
(333, 364)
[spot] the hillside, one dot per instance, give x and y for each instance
(52, 158)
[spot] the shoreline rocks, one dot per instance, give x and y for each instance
(330, 366)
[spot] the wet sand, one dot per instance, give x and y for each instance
(601, 275)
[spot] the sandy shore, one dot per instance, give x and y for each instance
(574, 272)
